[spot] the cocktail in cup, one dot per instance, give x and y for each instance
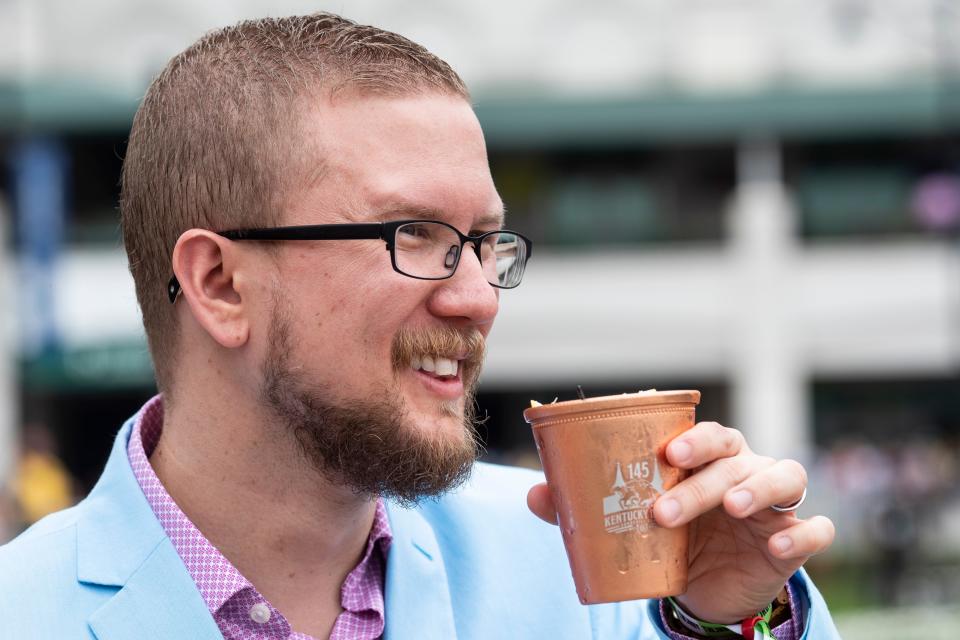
(605, 463)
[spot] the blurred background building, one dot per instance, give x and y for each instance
(756, 198)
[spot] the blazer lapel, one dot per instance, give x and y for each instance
(417, 592)
(158, 602)
(120, 544)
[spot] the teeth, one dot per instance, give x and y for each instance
(435, 364)
(445, 367)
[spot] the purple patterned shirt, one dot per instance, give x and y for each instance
(239, 610)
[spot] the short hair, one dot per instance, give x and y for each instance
(214, 143)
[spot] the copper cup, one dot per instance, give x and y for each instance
(604, 459)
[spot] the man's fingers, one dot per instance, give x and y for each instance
(704, 443)
(807, 538)
(541, 503)
(781, 483)
(705, 489)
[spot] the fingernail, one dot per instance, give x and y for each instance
(741, 500)
(682, 451)
(782, 544)
(669, 509)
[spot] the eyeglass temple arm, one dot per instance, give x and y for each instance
(358, 231)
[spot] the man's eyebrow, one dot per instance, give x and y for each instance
(420, 212)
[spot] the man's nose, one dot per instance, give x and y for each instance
(466, 294)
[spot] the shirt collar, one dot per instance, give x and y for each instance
(216, 578)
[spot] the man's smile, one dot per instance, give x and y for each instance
(446, 361)
(439, 366)
(439, 374)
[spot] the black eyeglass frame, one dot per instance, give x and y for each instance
(386, 231)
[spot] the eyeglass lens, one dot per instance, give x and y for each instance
(431, 250)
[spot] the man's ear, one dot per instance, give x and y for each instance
(205, 264)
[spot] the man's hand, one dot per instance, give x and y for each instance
(741, 551)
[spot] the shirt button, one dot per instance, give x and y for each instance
(260, 613)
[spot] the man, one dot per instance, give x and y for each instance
(316, 389)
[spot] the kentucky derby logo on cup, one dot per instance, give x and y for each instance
(630, 507)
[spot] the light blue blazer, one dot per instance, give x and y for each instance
(475, 565)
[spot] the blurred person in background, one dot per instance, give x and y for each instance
(41, 483)
(309, 468)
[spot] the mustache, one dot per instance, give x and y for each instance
(466, 344)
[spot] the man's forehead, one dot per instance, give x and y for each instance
(418, 156)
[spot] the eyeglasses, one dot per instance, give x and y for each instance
(421, 249)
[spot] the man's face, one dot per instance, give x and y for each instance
(346, 331)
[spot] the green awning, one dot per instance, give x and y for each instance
(121, 365)
(544, 121)
(65, 106)
(551, 123)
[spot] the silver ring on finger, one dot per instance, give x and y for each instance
(790, 507)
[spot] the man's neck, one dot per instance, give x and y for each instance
(282, 524)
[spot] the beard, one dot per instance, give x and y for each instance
(368, 444)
